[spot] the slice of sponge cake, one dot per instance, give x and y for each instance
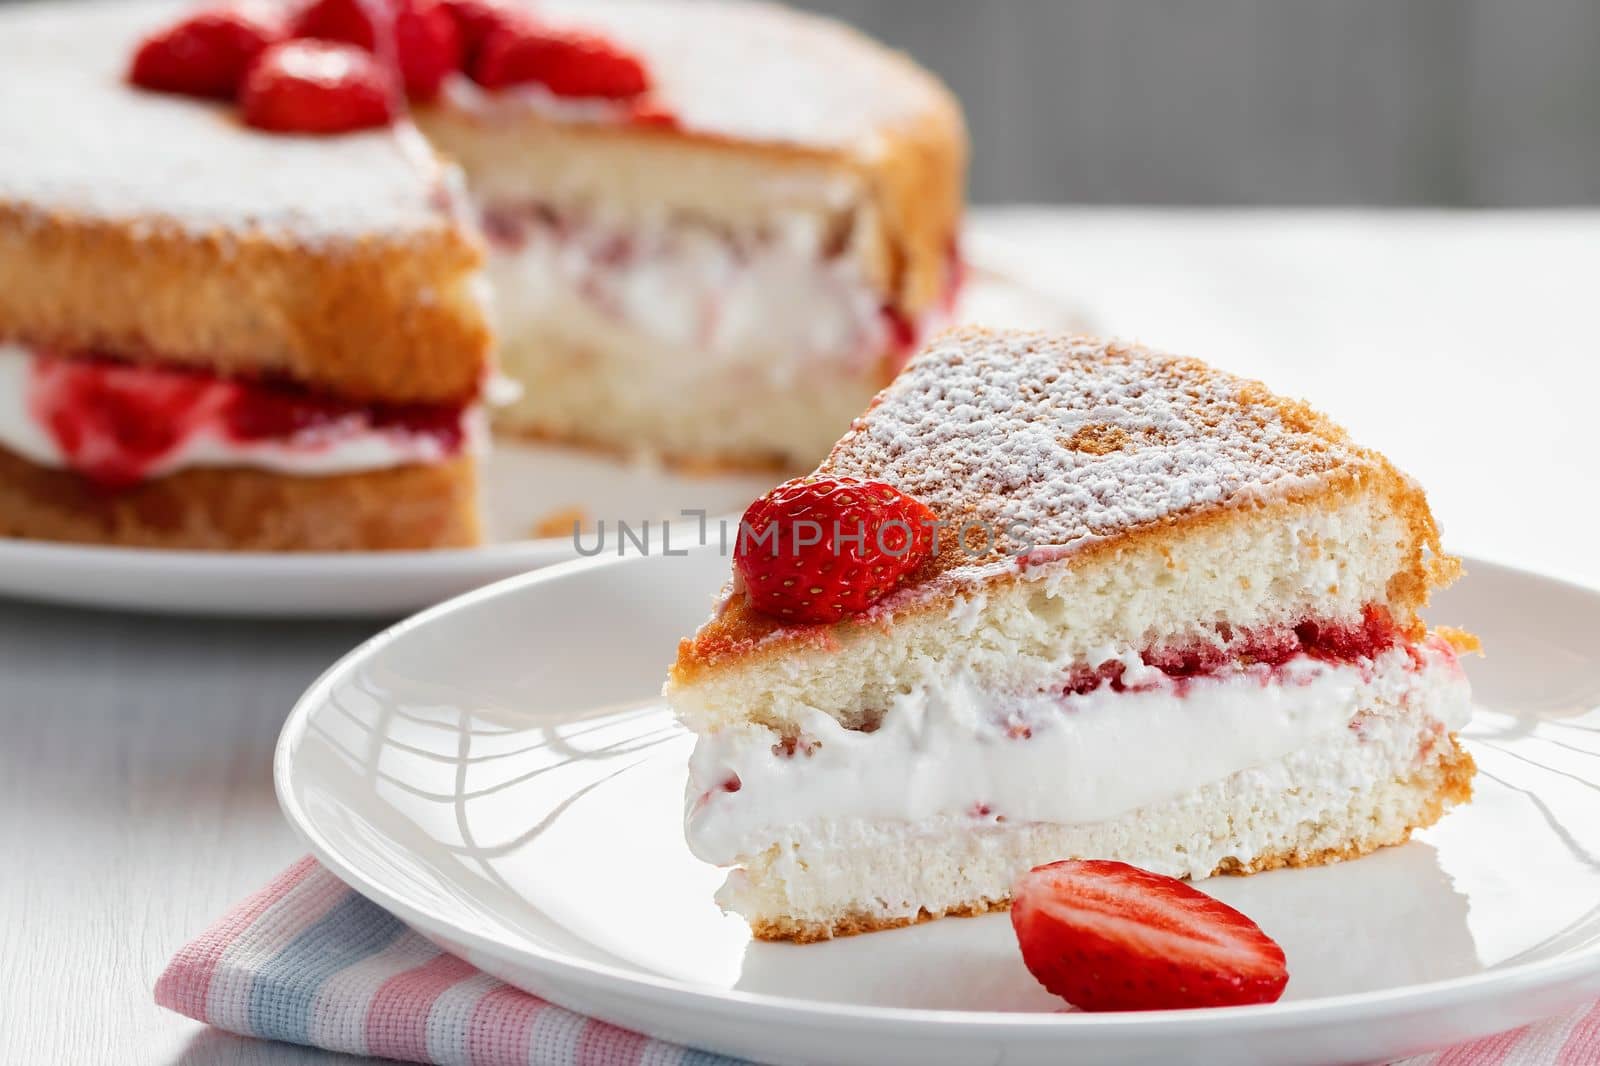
(1173, 621)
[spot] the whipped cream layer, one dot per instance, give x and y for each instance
(955, 749)
(774, 303)
(144, 422)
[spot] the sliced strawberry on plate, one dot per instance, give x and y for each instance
(817, 549)
(207, 53)
(317, 87)
(567, 62)
(1106, 936)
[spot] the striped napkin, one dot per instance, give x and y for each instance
(309, 961)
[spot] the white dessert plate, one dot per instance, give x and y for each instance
(499, 773)
(529, 491)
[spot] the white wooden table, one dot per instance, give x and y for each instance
(135, 794)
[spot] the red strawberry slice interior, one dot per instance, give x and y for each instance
(1106, 936)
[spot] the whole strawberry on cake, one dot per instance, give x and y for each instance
(243, 296)
(1052, 598)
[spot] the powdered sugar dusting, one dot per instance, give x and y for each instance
(79, 141)
(1059, 441)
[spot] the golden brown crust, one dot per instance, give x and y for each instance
(1449, 782)
(920, 184)
(379, 319)
(799, 932)
(1463, 642)
(408, 507)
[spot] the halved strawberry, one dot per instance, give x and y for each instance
(522, 51)
(818, 549)
(475, 20)
(357, 22)
(317, 87)
(207, 53)
(418, 35)
(1107, 936)
(429, 46)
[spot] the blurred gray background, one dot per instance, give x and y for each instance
(1395, 102)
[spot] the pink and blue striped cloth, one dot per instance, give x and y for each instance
(309, 961)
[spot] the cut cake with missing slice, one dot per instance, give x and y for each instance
(727, 286)
(1173, 620)
(214, 337)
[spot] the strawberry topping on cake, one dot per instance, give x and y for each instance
(474, 20)
(422, 34)
(362, 23)
(207, 53)
(317, 87)
(250, 53)
(818, 549)
(567, 62)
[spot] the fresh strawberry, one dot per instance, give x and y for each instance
(818, 549)
(208, 53)
(475, 20)
(317, 87)
(425, 42)
(357, 22)
(429, 46)
(566, 62)
(1108, 936)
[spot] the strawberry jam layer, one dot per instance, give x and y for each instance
(118, 424)
(1329, 641)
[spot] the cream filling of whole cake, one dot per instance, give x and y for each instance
(775, 304)
(955, 749)
(197, 433)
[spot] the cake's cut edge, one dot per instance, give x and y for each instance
(1432, 791)
(847, 102)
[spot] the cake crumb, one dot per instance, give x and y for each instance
(562, 522)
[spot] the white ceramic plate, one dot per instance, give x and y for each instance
(524, 486)
(498, 772)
